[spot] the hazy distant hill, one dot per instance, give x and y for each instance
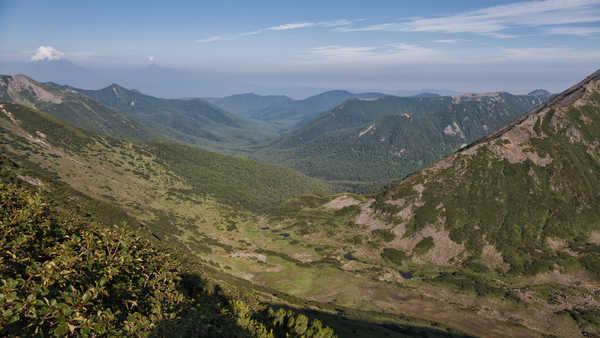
(388, 138)
(539, 92)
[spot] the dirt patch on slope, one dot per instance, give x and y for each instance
(444, 249)
(341, 202)
(595, 237)
(250, 255)
(8, 114)
(366, 217)
(559, 244)
(492, 257)
(31, 180)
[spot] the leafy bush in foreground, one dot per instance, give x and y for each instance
(59, 276)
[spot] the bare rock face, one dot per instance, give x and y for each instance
(27, 91)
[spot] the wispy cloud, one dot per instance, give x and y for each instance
(566, 30)
(562, 54)
(370, 55)
(213, 39)
(282, 27)
(448, 41)
(492, 21)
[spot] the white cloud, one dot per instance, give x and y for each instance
(47, 53)
(492, 20)
(151, 59)
(580, 31)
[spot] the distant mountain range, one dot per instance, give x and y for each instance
(162, 81)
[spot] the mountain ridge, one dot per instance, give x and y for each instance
(390, 137)
(79, 109)
(190, 121)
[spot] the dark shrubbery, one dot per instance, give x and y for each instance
(394, 255)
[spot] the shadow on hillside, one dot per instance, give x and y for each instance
(206, 313)
(211, 315)
(351, 327)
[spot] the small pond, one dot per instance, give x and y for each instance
(349, 257)
(406, 274)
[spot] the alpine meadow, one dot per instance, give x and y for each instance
(309, 169)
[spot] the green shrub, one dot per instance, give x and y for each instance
(385, 235)
(423, 246)
(394, 255)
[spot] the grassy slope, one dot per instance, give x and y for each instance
(241, 183)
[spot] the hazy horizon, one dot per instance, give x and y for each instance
(226, 48)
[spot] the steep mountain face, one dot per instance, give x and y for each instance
(191, 121)
(388, 138)
(529, 190)
(284, 113)
(69, 105)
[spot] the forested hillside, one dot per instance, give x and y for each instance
(190, 121)
(391, 137)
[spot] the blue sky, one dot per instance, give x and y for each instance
(462, 45)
